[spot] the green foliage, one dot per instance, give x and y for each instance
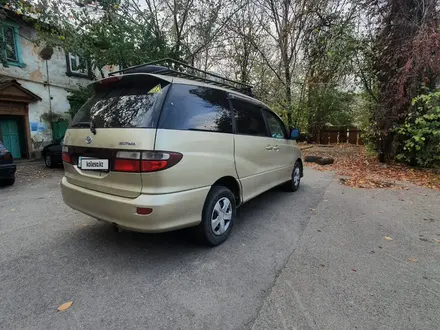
(420, 132)
(108, 36)
(330, 105)
(77, 98)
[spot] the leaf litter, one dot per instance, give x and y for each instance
(360, 170)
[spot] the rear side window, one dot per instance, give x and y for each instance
(249, 119)
(196, 108)
(132, 104)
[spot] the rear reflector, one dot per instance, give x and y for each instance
(127, 165)
(144, 210)
(145, 161)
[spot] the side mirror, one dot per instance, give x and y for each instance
(294, 134)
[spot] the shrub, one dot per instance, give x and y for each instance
(421, 132)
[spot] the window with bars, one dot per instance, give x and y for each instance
(11, 44)
(77, 66)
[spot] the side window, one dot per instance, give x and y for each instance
(276, 126)
(249, 118)
(196, 108)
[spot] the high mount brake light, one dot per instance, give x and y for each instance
(110, 80)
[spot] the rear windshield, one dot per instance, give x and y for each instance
(123, 105)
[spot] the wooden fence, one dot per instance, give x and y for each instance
(339, 134)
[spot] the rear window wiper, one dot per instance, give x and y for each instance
(85, 124)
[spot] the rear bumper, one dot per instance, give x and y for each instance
(7, 171)
(56, 158)
(170, 211)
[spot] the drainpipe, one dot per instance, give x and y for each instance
(50, 101)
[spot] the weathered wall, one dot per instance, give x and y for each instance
(34, 77)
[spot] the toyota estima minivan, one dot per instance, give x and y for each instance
(153, 153)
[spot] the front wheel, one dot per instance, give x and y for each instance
(293, 184)
(218, 217)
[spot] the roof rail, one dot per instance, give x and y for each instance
(175, 68)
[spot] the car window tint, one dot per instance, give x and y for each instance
(276, 126)
(196, 108)
(123, 105)
(249, 118)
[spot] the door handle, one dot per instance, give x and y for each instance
(269, 148)
(276, 148)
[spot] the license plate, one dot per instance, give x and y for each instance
(93, 164)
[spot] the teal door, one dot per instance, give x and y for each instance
(10, 138)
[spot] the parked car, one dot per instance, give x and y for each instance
(52, 153)
(156, 152)
(7, 166)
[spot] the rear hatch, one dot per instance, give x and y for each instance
(119, 120)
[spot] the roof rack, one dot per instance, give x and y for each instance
(175, 68)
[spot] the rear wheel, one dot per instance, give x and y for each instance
(293, 184)
(48, 160)
(218, 217)
(8, 182)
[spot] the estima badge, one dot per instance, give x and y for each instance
(88, 139)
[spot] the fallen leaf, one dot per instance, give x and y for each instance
(388, 238)
(353, 270)
(12, 210)
(412, 259)
(65, 306)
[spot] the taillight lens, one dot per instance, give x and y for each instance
(65, 155)
(6, 155)
(126, 165)
(153, 161)
(146, 161)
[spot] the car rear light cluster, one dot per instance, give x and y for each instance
(5, 154)
(145, 161)
(65, 155)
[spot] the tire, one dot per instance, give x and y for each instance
(295, 181)
(312, 159)
(8, 182)
(48, 161)
(219, 199)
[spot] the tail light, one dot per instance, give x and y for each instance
(5, 154)
(145, 161)
(65, 155)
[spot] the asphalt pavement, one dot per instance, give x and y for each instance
(325, 257)
(50, 254)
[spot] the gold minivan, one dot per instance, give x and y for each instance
(155, 152)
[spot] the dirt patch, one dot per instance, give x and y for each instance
(363, 171)
(28, 172)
